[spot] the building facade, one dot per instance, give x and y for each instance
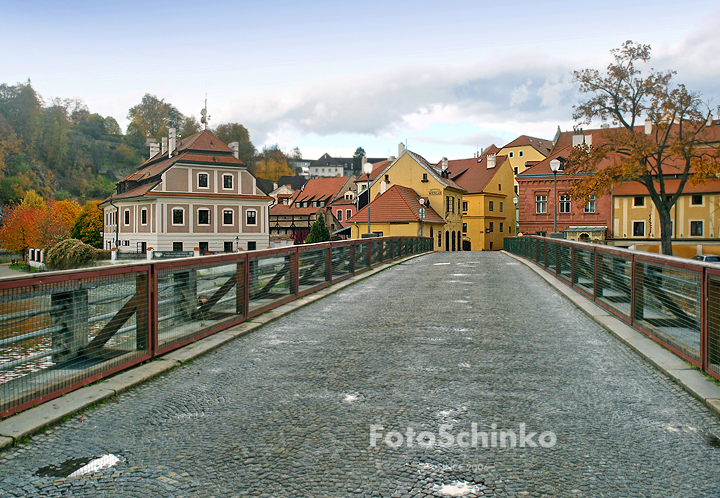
(196, 195)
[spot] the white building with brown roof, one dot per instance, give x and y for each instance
(195, 195)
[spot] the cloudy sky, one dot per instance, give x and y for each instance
(447, 77)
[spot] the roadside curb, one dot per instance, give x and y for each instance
(681, 372)
(25, 424)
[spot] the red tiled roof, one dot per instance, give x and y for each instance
(377, 169)
(398, 203)
(321, 189)
(436, 170)
(473, 174)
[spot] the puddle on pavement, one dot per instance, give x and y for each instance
(74, 467)
(713, 440)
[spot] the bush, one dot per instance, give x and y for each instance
(70, 253)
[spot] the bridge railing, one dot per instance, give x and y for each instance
(62, 330)
(674, 301)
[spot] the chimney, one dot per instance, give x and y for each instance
(172, 141)
(648, 127)
(491, 159)
(709, 121)
(275, 186)
(588, 139)
(401, 149)
(154, 149)
(444, 163)
(363, 161)
(164, 145)
(577, 139)
(235, 146)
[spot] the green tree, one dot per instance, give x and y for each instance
(675, 148)
(292, 159)
(188, 126)
(357, 161)
(235, 132)
(89, 225)
(318, 232)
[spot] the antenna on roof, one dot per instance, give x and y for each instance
(205, 118)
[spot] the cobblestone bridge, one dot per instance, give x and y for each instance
(452, 374)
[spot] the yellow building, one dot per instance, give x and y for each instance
(696, 215)
(524, 150)
(432, 183)
(397, 212)
(488, 208)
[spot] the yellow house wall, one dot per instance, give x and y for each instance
(529, 154)
(478, 216)
(625, 213)
(405, 171)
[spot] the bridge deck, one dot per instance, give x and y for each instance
(449, 339)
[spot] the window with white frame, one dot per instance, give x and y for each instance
(228, 216)
(590, 205)
(178, 216)
(639, 201)
(203, 216)
(541, 204)
(227, 181)
(696, 200)
(565, 203)
(127, 217)
(143, 216)
(339, 214)
(511, 154)
(202, 180)
(348, 213)
(521, 153)
(251, 217)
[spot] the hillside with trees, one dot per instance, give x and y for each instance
(61, 150)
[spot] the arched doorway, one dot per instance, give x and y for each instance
(584, 237)
(447, 241)
(453, 241)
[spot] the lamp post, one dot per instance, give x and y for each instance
(367, 169)
(555, 167)
(237, 243)
(421, 214)
(517, 212)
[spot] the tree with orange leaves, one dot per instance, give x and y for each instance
(672, 143)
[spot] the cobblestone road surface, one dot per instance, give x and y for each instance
(442, 340)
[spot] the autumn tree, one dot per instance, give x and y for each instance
(663, 155)
(89, 225)
(271, 164)
(154, 116)
(357, 161)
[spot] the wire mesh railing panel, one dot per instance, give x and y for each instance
(614, 282)
(387, 250)
(55, 335)
(362, 259)
(550, 253)
(271, 279)
(312, 268)
(341, 261)
(397, 247)
(668, 305)
(584, 270)
(195, 299)
(563, 262)
(376, 252)
(713, 324)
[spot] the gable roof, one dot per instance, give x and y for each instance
(317, 189)
(539, 144)
(473, 174)
(435, 171)
(398, 203)
(378, 167)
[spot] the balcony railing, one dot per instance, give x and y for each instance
(674, 301)
(62, 330)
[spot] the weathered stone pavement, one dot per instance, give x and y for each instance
(449, 339)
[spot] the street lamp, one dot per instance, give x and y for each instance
(367, 169)
(237, 243)
(555, 167)
(421, 214)
(517, 212)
